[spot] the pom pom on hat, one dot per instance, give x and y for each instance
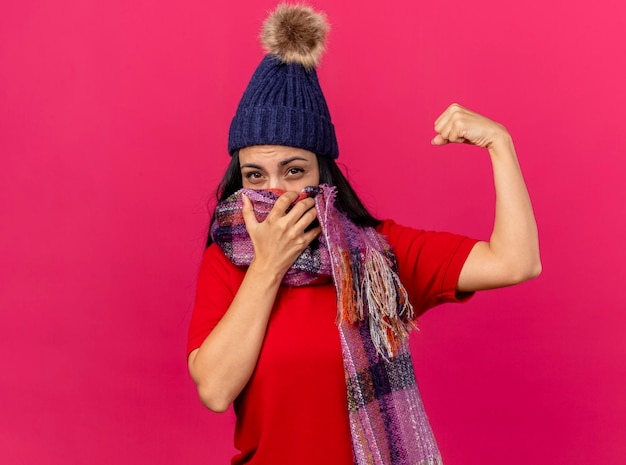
(295, 34)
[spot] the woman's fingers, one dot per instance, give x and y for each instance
(285, 209)
(450, 125)
(312, 234)
(460, 125)
(302, 208)
(306, 219)
(300, 218)
(286, 218)
(281, 206)
(440, 122)
(247, 211)
(284, 213)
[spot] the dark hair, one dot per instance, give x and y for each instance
(347, 201)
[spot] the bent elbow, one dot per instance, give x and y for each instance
(526, 273)
(534, 268)
(212, 394)
(214, 403)
(537, 269)
(217, 407)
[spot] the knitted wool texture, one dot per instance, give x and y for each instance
(388, 423)
(283, 105)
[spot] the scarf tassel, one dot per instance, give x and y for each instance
(391, 315)
(372, 290)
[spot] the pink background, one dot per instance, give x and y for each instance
(113, 124)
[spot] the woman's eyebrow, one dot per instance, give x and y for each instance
(289, 160)
(251, 165)
(281, 163)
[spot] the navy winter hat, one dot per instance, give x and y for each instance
(283, 103)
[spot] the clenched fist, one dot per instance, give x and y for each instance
(458, 124)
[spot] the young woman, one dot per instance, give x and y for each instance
(305, 300)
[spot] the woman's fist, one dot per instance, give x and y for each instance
(458, 124)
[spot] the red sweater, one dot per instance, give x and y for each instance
(294, 408)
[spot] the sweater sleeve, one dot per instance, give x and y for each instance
(429, 263)
(218, 282)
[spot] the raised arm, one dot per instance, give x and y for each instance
(223, 364)
(511, 255)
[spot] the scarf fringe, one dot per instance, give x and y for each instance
(390, 312)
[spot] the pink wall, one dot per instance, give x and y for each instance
(113, 123)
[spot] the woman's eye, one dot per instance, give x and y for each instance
(253, 176)
(294, 171)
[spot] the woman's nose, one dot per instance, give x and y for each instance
(277, 183)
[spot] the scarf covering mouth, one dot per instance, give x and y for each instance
(388, 423)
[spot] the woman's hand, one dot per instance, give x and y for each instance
(458, 124)
(281, 237)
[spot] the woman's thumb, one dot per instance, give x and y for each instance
(438, 140)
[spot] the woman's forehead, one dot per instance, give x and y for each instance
(261, 154)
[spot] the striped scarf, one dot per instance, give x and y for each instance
(388, 423)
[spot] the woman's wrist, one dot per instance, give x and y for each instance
(501, 144)
(265, 274)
